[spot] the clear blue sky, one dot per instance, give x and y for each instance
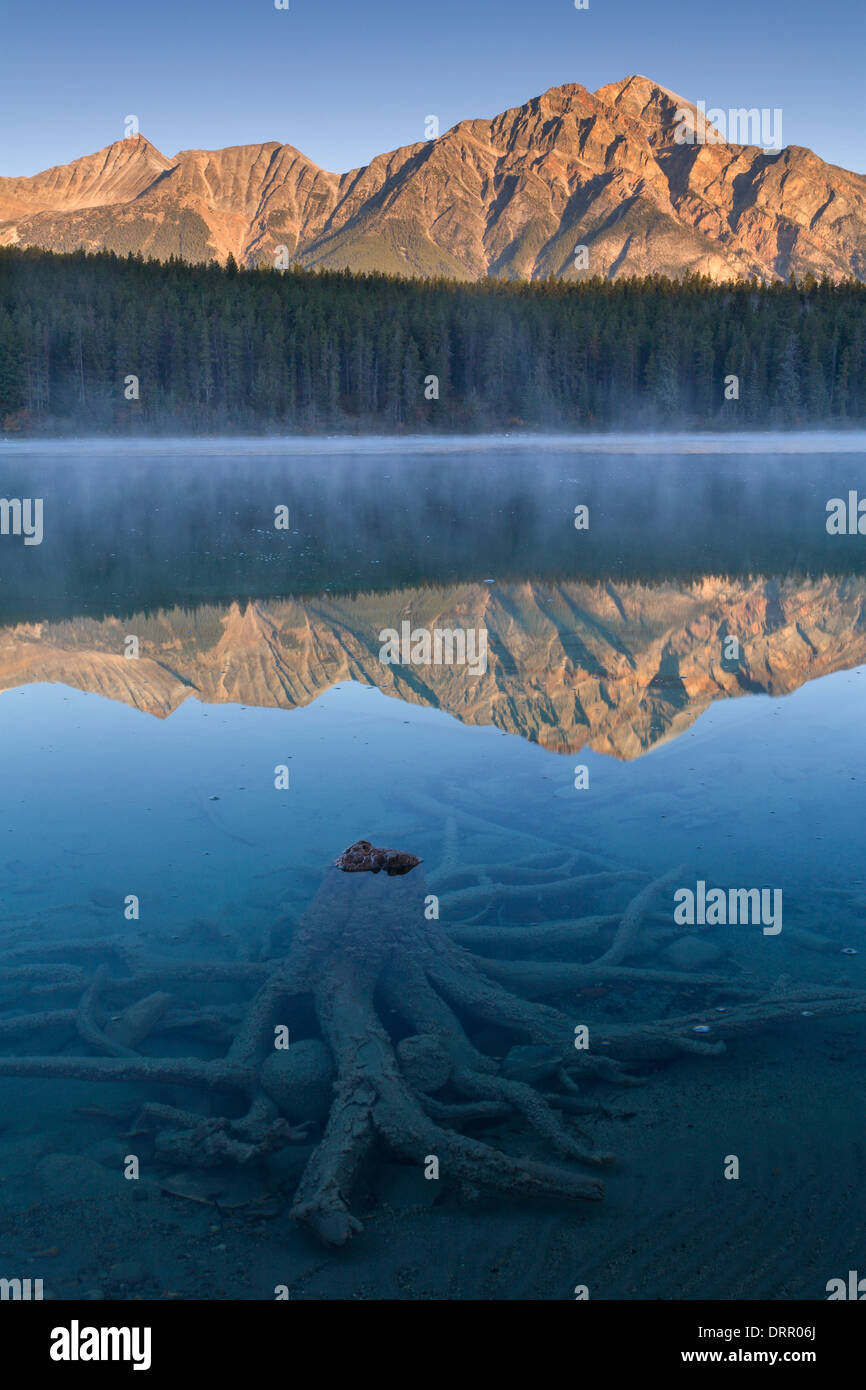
(346, 79)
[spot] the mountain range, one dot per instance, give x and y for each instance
(510, 197)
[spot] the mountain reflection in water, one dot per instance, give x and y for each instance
(617, 668)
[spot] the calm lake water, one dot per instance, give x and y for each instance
(674, 679)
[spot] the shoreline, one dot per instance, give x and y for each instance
(638, 442)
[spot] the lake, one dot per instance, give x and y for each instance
(609, 692)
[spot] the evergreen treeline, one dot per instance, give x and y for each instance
(217, 348)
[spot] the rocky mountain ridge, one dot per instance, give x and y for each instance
(511, 197)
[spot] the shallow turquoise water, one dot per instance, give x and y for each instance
(103, 799)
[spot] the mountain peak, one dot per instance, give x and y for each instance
(645, 101)
(118, 173)
(639, 86)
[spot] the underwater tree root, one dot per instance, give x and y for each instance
(398, 1002)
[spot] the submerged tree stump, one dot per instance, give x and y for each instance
(400, 1007)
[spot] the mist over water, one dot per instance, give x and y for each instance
(146, 525)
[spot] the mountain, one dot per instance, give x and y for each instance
(617, 669)
(511, 197)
